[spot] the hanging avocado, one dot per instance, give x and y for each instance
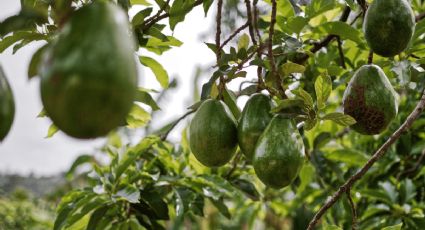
(89, 75)
(371, 100)
(7, 106)
(389, 26)
(279, 153)
(254, 120)
(213, 134)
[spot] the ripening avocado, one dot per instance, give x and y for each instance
(279, 153)
(213, 134)
(371, 100)
(88, 74)
(7, 106)
(254, 120)
(388, 26)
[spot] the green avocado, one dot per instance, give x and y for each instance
(213, 134)
(89, 75)
(279, 153)
(371, 100)
(7, 106)
(388, 26)
(254, 120)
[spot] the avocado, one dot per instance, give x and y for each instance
(388, 26)
(213, 134)
(371, 100)
(279, 153)
(7, 106)
(254, 120)
(88, 75)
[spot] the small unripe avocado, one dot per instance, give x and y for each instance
(388, 26)
(279, 153)
(213, 134)
(7, 106)
(254, 120)
(371, 100)
(89, 75)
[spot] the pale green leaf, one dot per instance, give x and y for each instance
(291, 67)
(394, 227)
(243, 42)
(140, 2)
(351, 157)
(138, 117)
(52, 130)
(342, 29)
(323, 87)
(340, 119)
(159, 71)
(306, 97)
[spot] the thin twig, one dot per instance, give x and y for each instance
(234, 34)
(370, 57)
(341, 53)
(376, 156)
(363, 5)
(162, 9)
(251, 26)
(218, 28)
(146, 26)
(261, 84)
(325, 42)
(165, 135)
(353, 210)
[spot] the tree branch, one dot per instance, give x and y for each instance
(233, 35)
(165, 135)
(376, 156)
(250, 24)
(341, 53)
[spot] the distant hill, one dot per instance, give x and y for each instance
(38, 186)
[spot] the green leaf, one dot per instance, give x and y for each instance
(96, 216)
(317, 7)
(291, 67)
(159, 71)
(305, 97)
(207, 4)
(243, 42)
(35, 62)
(310, 124)
(178, 11)
(294, 24)
(331, 227)
(15, 37)
(340, 119)
(247, 187)
(82, 159)
(342, 29)
(351, 157)
(138, 117)
(306, 175)
(139, 18)
(130, 193)
(52, 130)
(140, 2)
(230, 101)
(221, 207)
(286, 104)
(323, 87)
(143, 96)
(394, 227)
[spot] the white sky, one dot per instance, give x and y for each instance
(26, 150)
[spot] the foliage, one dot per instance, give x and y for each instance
(317, 46)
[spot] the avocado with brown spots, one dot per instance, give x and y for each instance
(213, 134)
(371, 100)
(279, 153)
(89, 74)
(388, 26)
(7, 106)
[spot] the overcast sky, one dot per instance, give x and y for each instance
(26, 149)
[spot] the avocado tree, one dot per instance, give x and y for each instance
(330, 138)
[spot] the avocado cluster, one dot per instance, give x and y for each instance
(88, 75)
(272, 143)
(7, 106)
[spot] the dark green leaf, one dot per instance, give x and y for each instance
(340, 118)
(144, 97)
